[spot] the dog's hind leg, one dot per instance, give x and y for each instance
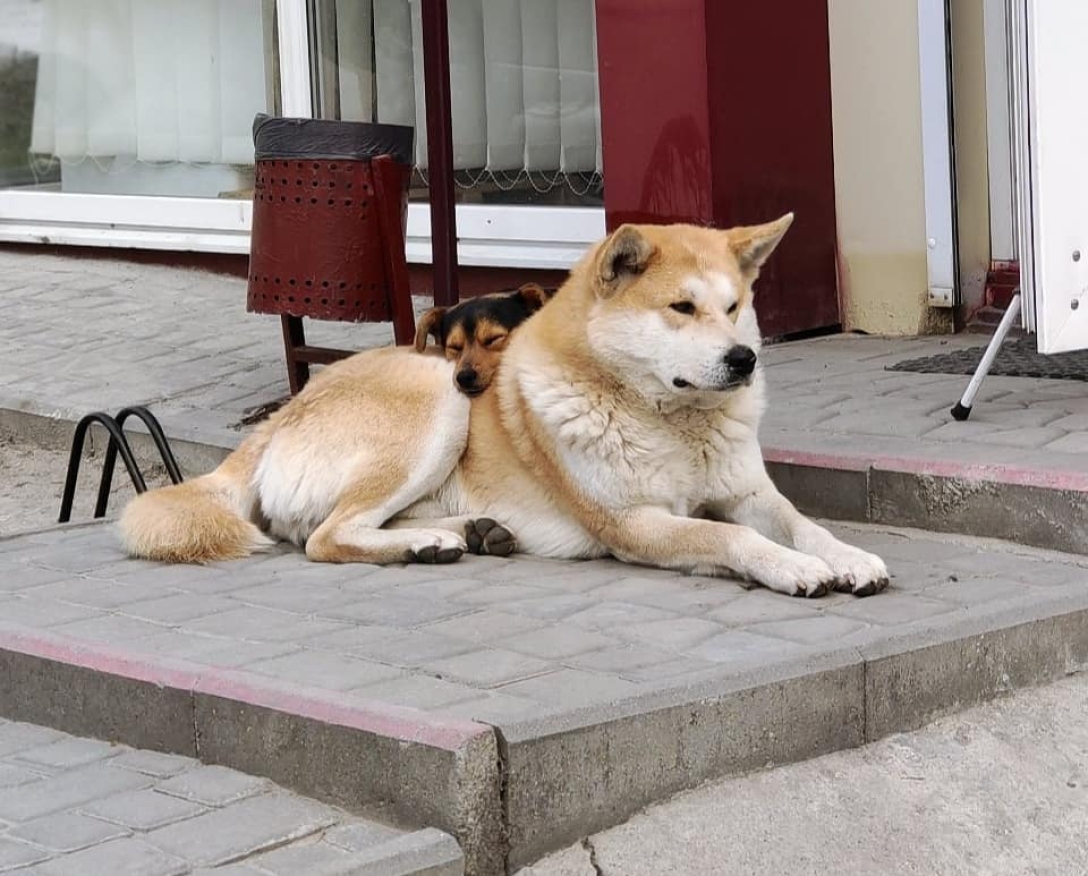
(483, 535)
(350, 535)
(358, 531)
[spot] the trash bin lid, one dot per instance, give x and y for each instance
(277, 137)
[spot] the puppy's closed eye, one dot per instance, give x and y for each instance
(494, 340)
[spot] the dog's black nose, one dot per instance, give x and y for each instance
(466, 378)
(741, 360)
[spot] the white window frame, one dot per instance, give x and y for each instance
(493, 236)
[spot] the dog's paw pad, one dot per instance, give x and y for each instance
(486, 537)
(437, 554)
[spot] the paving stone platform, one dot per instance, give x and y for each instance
(516, 703)
(72, 806)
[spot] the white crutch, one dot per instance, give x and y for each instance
(962, 410)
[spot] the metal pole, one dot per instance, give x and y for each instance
(436, 78)
(962, 410)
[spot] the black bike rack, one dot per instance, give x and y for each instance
(117, 444)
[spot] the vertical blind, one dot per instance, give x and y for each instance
(180, 81)
(523, 77)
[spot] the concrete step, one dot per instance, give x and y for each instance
(994, 492)
(72, 806)
(515, 704)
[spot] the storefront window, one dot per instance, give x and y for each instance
(134, 97)
(523, 75)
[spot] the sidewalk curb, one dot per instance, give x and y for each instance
(1037, 507)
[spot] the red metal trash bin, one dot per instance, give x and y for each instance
(330, 204)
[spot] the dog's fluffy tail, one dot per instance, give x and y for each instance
(198, 521)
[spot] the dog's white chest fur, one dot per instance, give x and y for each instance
(622, 454)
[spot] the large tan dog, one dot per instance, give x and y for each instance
(622, 421)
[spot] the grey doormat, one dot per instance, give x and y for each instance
(1016, 358)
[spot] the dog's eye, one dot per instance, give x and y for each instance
(454, 348)
(491, 342)
(733, 308)
(684, 307)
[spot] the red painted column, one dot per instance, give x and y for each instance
(719, 112)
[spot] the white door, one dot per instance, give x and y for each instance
(1053, 168)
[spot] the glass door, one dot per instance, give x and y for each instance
(1050, 70)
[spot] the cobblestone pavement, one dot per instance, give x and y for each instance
(80, 807)
(834, 393)
(498, 640)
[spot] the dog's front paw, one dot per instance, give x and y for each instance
(857, 571)
(436, 546)
(486, 537)
(796, 574)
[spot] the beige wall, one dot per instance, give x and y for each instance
(876, 113)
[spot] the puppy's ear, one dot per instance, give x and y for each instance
(623, 255)
(534, 296)
(428, 325)
(753, 244)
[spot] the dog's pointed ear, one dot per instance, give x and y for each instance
(624, 254)
(753, 244)
(534, 296)
(428, 324)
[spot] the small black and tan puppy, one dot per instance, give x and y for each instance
(473, 333)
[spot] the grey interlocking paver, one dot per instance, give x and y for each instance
(66, 832)
(109, 628)
(257, 823)
(390, 645)
(395, 610)
(824, 629)
(219, 651)
(611, 614)
(418, 691)
(312, 598)
(67, 790)
(12, 775)
(18, 855)
(485, 625)
(143, 810)
(176, 609)
(487, 667)
(152, 763)
(66, 754)
(45, 612)
(261, 625)
(212, 786)
(556, 642)
(92, 825)
(737, 647)
(675, 633)
(572, 688)
(360, 835)
(130, 855)
(97, 594)
(326, 670)
(300, 858)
